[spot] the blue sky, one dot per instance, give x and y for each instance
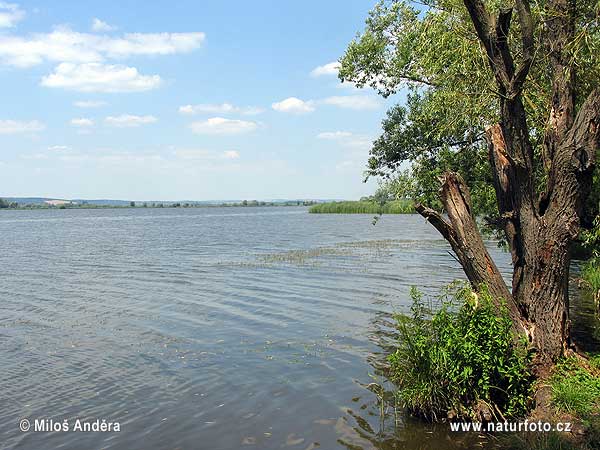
(189, 100)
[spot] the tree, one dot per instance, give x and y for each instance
(527, 91)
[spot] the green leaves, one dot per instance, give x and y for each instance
(460, 355)
(430, 49)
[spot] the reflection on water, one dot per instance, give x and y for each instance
(211, 328)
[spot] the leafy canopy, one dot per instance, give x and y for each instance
(430, 49)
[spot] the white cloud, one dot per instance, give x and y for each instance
(96, 77)
(220, 125)
(347, 139)
(100, 26)
(82, 122)
(65, 45)
(231, 154)
(356, 102)
(58, 148)
(89, 104)
(224, 108)
(331, 68)
(293, 105)
(334, 135)
(15, 126)
(10, 14)
(129, 121)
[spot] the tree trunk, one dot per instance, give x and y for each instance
(539, 229)
(539, 236)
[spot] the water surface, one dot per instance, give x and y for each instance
(210, 328)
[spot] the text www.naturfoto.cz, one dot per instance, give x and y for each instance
(491, 427)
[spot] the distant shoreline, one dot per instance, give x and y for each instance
(151, 205)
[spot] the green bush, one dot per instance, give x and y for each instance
(364, 207)
(459, 358)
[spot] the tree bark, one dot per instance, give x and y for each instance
(539, 229)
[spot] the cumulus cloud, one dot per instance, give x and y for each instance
(101, 26)
(129, 121)
(223, 108)
(97, 77)
(82, 122)
(65, 45)
(16, 126)
(220, 125)
(293, 105)
(10, 14)
(90, 103)
(331, 68)
(356, 102)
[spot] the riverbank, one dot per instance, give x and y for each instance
(364, 207)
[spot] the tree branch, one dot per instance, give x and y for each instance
(570, 177)
(489, 32)
(527, 40)
(438, 221)
(462, 234)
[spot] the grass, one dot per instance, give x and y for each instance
(591, 276)
(364, 207)
(461, 361)
(576, 389)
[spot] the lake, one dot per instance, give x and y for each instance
(210, 328)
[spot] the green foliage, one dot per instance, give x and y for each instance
(430, 48)
(364, 207)
(591, 274)
(591, 238)
(576, 389)
(591, 269)
(461, 355)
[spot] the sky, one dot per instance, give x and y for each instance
(183, 100)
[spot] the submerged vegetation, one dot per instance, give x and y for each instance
(364, 207)
(462, 361)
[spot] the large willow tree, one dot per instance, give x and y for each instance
(520, 80)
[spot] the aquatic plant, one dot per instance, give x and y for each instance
(364, 207)
(462, 361)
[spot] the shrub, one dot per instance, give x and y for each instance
(461, 360)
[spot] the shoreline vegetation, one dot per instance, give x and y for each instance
(364, 207)
(66, 204)
(445, 343)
